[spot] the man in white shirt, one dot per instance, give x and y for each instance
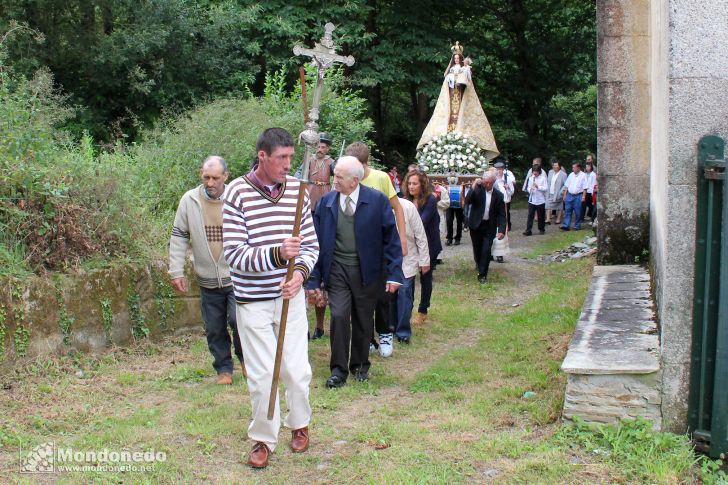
(536, 186)
(505, 182)
(536, 161)
(587, 207)
(487, 221)
(574, 194)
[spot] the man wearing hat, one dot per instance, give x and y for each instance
(320, 172)
(505, 181)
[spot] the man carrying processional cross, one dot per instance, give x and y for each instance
(270, 244)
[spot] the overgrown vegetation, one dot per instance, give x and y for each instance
(3, 331)
(139, 327)
(21, 336)
(163, 294)
(641, 454)
(65, 321)
(107, 318)
(21, 339)
(58, 205)
(64, 204)
(167, 161)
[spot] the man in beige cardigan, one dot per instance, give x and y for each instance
(198, 224)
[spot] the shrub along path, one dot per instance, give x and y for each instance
(476, 397)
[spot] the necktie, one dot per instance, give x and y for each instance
(349, 211)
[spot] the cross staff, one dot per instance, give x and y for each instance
(324, 55)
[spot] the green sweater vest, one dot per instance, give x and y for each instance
(345, 248)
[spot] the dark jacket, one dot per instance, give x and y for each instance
(496, 222)
(431, 221)
(375, 230)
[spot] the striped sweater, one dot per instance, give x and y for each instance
(254, 227)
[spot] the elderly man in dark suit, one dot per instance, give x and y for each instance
(359, 248)
(486, 220)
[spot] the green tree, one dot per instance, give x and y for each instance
(526, 53)
(574, 120)
(531, 51)
(127, 62)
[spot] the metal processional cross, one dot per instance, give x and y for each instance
(325, 56)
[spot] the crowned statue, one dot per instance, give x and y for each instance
(458, 136)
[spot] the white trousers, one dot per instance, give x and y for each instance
(258, 326)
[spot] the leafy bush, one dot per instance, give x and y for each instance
(52, 202)
(29, 111)
(169, 156)
(62, 204)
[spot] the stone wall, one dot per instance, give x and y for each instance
(689, 86)
(91, 311)
(623, 47)
(608, 398)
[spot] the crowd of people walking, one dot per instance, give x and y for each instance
(559, 196)
(365, 237)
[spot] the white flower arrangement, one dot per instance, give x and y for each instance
(452, 152)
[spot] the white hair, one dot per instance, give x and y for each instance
(488, 174)
(352, 166)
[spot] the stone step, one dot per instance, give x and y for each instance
(613, 361)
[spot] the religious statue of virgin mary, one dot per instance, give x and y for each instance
(458, 109)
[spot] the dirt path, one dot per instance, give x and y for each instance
(516, 269)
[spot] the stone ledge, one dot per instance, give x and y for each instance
(616, 332)
(81, 295)
(613, 361)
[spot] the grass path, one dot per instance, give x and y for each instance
(449, 408)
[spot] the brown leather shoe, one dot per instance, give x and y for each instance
(299, 440)
(225, 378)
(419, 319)
(258, 457)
